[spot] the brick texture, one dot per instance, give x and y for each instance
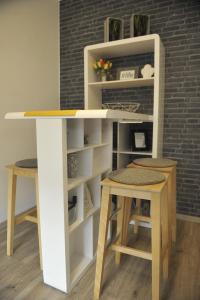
(178, 24)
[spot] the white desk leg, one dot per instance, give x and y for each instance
(52, 172)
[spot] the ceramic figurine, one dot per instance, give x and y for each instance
(147, 71)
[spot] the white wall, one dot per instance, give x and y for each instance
(29, 80)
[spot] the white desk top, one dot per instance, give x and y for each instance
(80, 114)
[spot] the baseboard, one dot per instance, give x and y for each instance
(188, 218)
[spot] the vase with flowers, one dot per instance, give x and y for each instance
(102, 68)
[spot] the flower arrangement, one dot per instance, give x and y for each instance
(102, 68)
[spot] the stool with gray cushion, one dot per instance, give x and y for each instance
(155, 162)
(128, 184)
(165, 166)
(24, 168)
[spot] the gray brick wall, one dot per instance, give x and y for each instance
(178, 24)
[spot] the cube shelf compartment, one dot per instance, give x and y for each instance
(99, 164)
(123, 152)
(84, 163)
(95, 190)
(75, 214)
(75, 134)
(81, 250)
(92, 130)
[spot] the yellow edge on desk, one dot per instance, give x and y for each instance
(50, 113)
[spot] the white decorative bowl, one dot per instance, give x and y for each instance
(125, 106)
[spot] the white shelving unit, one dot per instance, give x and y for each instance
(94, 160)
(93, 89)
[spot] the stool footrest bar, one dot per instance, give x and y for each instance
(23, 217)
(141, 218)
(131, 251)
(31, 219)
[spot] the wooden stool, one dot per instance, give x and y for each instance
(165, 166)
(157, 194)
(30, 215)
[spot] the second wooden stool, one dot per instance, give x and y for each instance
(164, 166)
(128, 184)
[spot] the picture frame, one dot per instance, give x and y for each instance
(139, 140)
(139, 25)
(128, 73)
(113, 29)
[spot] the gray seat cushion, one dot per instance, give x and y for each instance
(27, 163)
(136, 176)
(155, 162)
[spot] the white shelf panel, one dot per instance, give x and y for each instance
(117, 84)
(124, 47)
(75, 225)
(133, 122)
(133, 152)
(88, 146)
(74, 182)
(93, 211)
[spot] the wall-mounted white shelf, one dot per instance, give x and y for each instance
(118, 84)
(129, 47)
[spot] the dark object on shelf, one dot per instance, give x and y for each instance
(72, 203)
(86, 139)
(113, 29)
(110, 76)
(139, 25)
(139, 140)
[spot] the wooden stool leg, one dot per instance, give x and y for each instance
(103, 230)
(165, 234)
(127, 214)
(120, 217)
(38, 220)
(138, 207)
(156, 245)
(174, 206)
(12, 181)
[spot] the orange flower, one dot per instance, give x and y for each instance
(101, 61)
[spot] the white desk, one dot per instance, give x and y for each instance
(68, 250)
